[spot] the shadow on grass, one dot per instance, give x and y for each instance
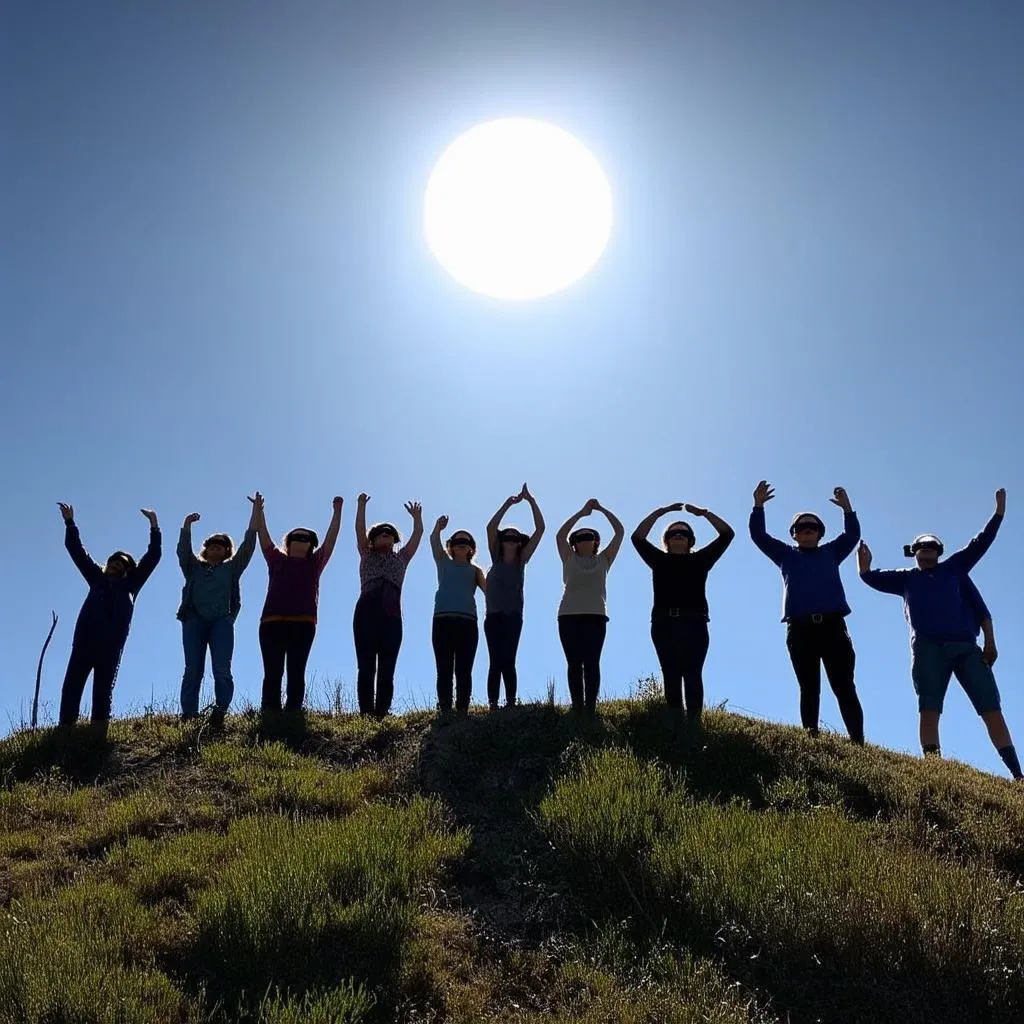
(80, 753)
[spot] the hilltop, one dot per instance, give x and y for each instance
(516, 867)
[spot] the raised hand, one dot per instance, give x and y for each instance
(676, 506)
(763, 492)
(515, 499)
(67, 511)
(842, 499)
(257, 501)
(414, 508)
(364, 498)
(337, 502)
(1001, 501)
(695, 510)
(591, 505)
(151, 516)
(525, 493)
(863, 557)
(192, 517)
(441, 524)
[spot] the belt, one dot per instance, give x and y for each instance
(817, 618)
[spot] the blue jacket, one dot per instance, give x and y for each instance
(106, 613)
(940, 604)
(810, 576)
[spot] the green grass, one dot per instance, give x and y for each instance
(520, 867)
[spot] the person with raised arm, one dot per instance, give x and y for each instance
(583, 610)
(679, 616)
(945, 612)
(814, 606)
(510, 550)
(210, 602)
(288, 620)
(377, 621)
(104, 620)
(454, 632)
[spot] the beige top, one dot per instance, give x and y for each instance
(584, 578)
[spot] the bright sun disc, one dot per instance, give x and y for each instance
(517, 209)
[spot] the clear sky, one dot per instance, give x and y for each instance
(213, 279)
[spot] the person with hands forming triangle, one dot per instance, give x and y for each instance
(815, 606)
(105, 619)
(679, 617)
(945, 613)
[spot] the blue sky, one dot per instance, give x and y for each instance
(214, 280)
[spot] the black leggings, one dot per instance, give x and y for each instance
(281, 643)
(811, 645)
(502, 631)
(682, 646)
(102, 661)
(582, 639)
(455, 639)
(378, 637)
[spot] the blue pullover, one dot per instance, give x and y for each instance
(939, 604)
(810, 576)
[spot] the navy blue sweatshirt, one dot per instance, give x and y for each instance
(938, 603)
(810, 576)
(106, 613)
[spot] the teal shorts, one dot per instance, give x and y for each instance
(934, 663)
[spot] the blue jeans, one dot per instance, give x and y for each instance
(219, 635)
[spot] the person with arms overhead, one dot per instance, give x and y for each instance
(945, 612)
(815, 607)
(454, 633)
(377, 621)
(510, 550)
(583, 610)
(104, 620)
(679, 617)
(210, 601)
(288, 620)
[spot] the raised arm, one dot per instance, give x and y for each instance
(148, 562)
(968, 557)
(73, 542)
(266, 541)
(844, 544)
(771, 546)
(712, 552)
(435, 539)
(362, 541)
(495, 521)
(331, 536)
(538, 525)
(415, 509)
(243, 556)
(886, 581)
(186, 556)
(618, 533)
(643, 528)
(562, 537)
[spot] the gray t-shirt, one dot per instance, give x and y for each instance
(505, 588)
(584, 578)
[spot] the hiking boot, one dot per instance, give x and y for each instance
(217, 716)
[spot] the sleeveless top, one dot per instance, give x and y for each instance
(584, 578)
(456, 588)
(505, 588)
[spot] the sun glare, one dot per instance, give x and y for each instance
(517, 209)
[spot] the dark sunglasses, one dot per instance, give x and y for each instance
(301, 538)
(512, 538)
(806, 528)
(221, 544)
(927, 546)
(580, 538)
(461, 542)
(678, 535)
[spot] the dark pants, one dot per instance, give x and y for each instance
(198, 635)
(102, 660)
(582, 639)
(455, 639)
(682, 646)
(284, 643)
(502, 631)
(378, 636)
(811, 645)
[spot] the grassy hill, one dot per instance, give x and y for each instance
(519, 867)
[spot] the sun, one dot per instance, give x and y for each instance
(517, 209)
